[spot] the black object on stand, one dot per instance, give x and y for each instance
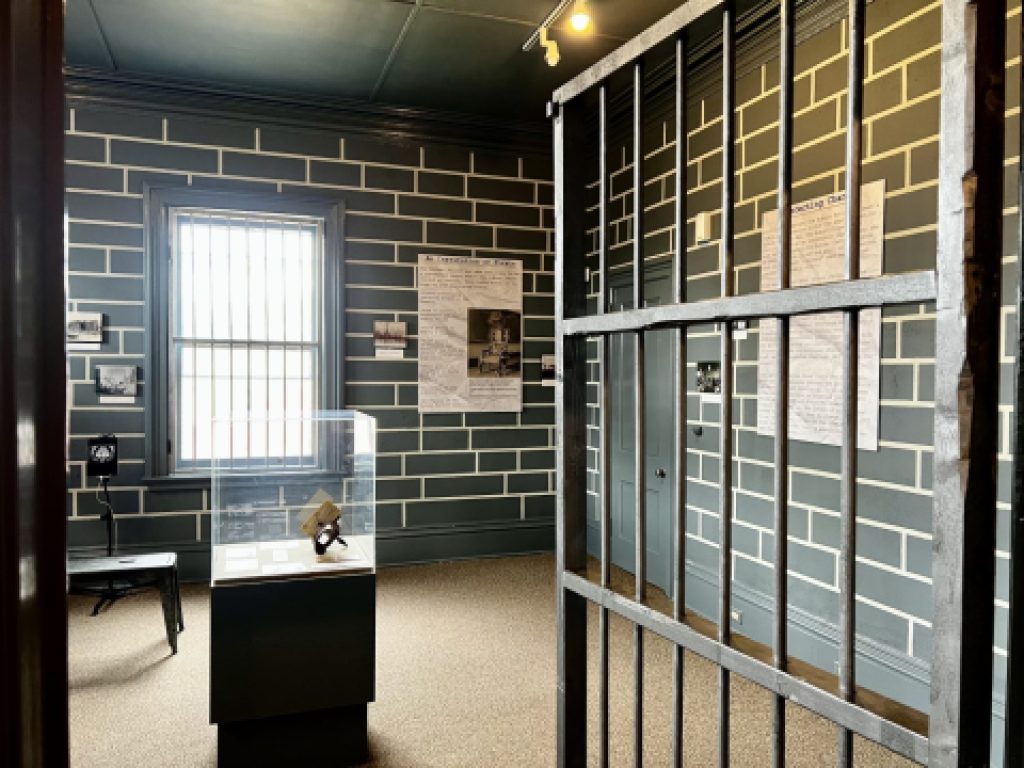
(102, 463)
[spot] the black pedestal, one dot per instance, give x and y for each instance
(324, 737)
(292, 670)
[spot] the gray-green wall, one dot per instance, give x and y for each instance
(451, 485)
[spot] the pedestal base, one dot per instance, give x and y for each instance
(292, 670)
(323, 737)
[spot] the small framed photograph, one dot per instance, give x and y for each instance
(84, 330)
(709, 378)
(494, 343)
(547, 370)
(390, 338)
(120, 381)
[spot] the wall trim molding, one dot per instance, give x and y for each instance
(85, 86)
(902, 663)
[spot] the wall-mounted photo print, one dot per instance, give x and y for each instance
(547, 370)
(84, 328)
(709, 378)
(390, 338)
(117, 380)
(493, 343)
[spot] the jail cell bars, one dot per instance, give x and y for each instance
(970, 191)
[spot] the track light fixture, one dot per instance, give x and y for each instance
(580, 19)
(551, 54)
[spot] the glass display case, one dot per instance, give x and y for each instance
(293, 496)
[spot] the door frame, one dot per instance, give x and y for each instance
(33, 416)
(617, 280)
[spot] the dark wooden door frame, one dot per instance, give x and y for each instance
(33, 416)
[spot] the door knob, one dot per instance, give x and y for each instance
(660, 473)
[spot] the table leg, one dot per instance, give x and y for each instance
(177, 597)
(169, 604)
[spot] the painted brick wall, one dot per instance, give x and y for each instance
(449, 485)
(894, 483)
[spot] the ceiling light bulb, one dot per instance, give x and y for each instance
(580, 19)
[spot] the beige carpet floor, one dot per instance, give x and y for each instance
(465, 678)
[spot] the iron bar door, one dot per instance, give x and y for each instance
(965, 288)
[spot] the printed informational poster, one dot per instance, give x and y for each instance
(816, 341)
(470, 334)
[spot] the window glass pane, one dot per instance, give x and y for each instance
(246, 311)
(238, 288)
(198, 304)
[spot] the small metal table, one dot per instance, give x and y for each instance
(158, 570)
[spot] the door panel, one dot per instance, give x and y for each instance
(658, 368)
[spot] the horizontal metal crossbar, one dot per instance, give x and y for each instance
(894, 737)
(635, 48)
(870, 292)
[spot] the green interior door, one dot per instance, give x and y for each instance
(659, 357)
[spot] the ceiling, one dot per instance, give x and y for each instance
(463, 55)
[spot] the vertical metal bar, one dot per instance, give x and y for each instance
(780, 621)
(725, 435)
(966, 382)
(639, 399)
(571, 419)
(230, 257)
(300, 258)
(679, 405)
(848, 468)
(213, 335)
(249, 344)
(266, 330)
(284, 333)
(1013, 735)
(195, 345)
(604, 425)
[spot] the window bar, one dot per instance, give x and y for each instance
(639, 397)
(604, 424)
(787, 22)
(848, 469)
(725, 431)
(283, 263)
(266, 333)
(679, 428)
(249, 346)
(213, 357)
(195, 345)
(230, 257)
(300, 255)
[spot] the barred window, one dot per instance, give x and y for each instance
(251, 319)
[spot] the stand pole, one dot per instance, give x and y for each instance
(108, 516)
(110, 594)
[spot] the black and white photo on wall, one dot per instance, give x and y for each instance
(84, 330)
(709, 377)
(390, 338)
(494, 343)
(547, 370)
(117, 381)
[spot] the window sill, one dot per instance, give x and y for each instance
(202, 482)
(177, 482)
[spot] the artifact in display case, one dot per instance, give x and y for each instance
(293, 496)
